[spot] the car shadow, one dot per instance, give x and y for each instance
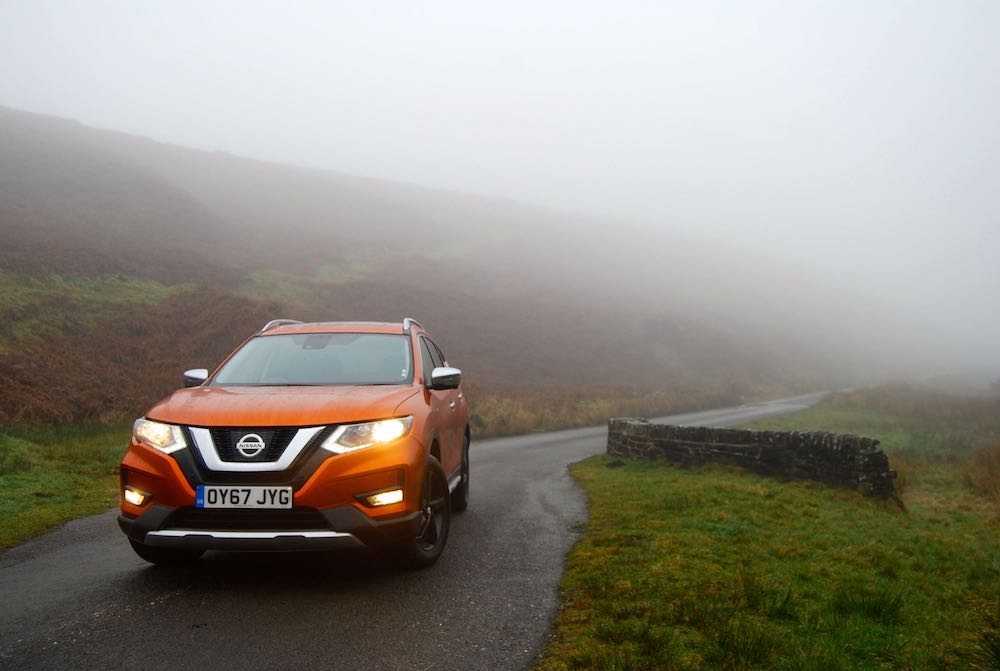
(279, 572)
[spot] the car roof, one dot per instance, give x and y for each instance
(336, 327)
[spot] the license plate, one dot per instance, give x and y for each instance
(212, 496)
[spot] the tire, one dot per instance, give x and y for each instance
(460, 497)
(427, 545)
(165, 556)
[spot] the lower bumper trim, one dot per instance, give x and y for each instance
(347, 527)
(251, 540)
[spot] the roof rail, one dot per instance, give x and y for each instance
(278, 322)
(407, 321)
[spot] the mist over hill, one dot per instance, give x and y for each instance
(125, 260)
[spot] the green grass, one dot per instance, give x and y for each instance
(35, 309)
(720, 569)
(299, 292)
(294, 292)
(356, 265)
(19, 291)
(50, 476)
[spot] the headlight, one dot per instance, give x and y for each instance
(352, 437)
(164, 437)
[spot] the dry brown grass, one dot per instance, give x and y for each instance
(907, 467)
(983, 472)
(520, 411)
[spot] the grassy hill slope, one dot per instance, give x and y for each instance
(124, 261)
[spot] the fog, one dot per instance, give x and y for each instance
(855, 144)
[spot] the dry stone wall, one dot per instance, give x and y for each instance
(842, 459)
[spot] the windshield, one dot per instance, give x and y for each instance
(320, 359)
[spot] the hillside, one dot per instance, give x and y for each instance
(124, 261)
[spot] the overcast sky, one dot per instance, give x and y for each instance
(859, 138)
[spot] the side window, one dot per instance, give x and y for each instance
(435, 353)
(426, 360)
(441, 356)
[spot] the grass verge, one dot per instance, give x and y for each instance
(50, 476)
(719, 569)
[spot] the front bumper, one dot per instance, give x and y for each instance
(343, 527)
(328, 497)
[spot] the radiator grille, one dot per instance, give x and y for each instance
(276, 440)
(246, 520)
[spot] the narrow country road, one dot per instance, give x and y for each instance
(78, 598)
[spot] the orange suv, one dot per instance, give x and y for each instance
(308, 436)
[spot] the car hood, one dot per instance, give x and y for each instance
(279, 406)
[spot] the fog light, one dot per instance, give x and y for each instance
(134, 496)
(385, 498)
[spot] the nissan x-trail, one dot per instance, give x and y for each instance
(308, 436)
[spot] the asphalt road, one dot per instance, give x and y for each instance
(78, 597)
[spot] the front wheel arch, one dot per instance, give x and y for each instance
(426, 545)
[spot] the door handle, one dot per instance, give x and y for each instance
(452, 405)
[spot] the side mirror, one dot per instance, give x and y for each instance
(445, 378)
(195, 377)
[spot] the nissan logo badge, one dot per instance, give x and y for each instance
(250, 445)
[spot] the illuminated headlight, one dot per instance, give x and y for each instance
(352, 437)
(385, 498)
(134, 496)
(164, 437)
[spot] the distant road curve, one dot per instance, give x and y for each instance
(79, 598)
